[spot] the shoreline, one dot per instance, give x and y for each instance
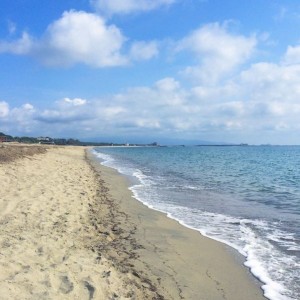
(71, 229)
(208, 273)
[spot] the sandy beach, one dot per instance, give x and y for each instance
(70, 229)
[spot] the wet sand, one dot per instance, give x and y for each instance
(180, 263)
(71, 230)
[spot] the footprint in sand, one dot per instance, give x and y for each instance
(90, 289)
(66, 285)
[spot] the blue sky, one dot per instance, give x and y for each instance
(138, 70)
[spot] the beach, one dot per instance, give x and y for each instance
(70, 229)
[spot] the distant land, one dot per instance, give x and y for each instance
(76, 142)
(62, 141)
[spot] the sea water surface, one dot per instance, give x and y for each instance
(246, 197)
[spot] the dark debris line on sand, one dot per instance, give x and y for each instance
(117, 244)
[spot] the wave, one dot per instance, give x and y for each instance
(247, 236)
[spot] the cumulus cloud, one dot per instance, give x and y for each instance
(79, 37)
(17, 119)
(126, 113)
(232, 111)
(143, 50)
(4, 109)
(28, 106)
(217, 50)
(22, 114)
(22, 46)
(112, 111)
(260, 97)
(271, 82)
(292, 55)
(66, 111)
(75, 101)
(110, 7)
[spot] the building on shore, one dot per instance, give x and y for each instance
(3, 139)
(45, 140)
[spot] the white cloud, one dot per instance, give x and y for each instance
(22, 114)
(66, 111)
(292, 55)
(261, 98)
(110, 7)
(4, 109)
(75, 101)
(20, 119)
(80, 37)
(77, 37)
(272, 82)
(232, 111)
(218, 51)
(28, 107)
(168, 84)
(143, 50)
(21, 46)
(112, 111)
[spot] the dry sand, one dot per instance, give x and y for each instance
(68, 232)
(49, 247)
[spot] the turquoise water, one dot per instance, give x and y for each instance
(246, 197)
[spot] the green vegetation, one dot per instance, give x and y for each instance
(54, 141)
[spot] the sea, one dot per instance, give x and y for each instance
(247, 197)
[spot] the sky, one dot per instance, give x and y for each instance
(171, 71)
